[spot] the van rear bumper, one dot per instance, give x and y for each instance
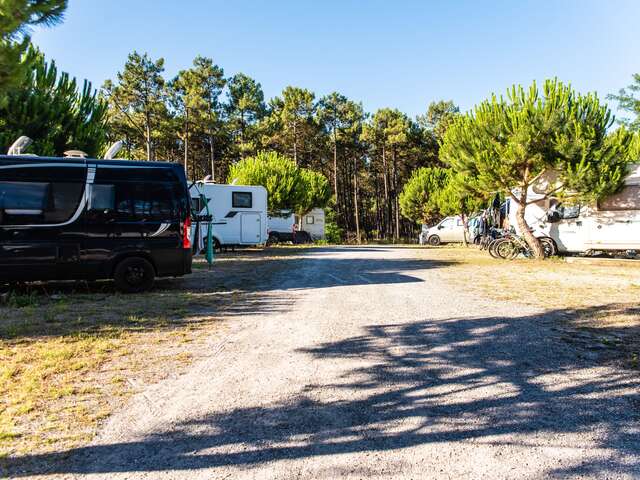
(172, 263)
(188, 259)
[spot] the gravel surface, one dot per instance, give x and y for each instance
(377, 368)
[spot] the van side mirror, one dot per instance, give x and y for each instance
(553, 217)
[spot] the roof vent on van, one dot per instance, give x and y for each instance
(19, 146)
(113, 150)
(75, 154)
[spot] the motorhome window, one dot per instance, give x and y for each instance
(627, 199)
(196, 204)
(103, 197)
(310, 220)
(241, 200)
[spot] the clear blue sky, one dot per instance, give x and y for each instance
(401, 54)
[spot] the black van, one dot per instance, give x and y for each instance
(84, 219)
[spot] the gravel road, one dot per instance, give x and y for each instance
(365, 363)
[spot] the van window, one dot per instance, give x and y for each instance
(132, 202)
(38, 203)
(568, 212)
(459, 222)
(103, 197)
(447, 223)
(241, 200)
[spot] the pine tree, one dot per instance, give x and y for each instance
(244, 107)
(137, 103)
(506, 144)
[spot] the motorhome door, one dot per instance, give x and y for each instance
(251, 227)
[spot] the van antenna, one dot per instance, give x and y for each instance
(234, 181)
(113, 150)
(19, 145)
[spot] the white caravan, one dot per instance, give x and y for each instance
(612, 224)
(313, 223)
(239, 212)
(281, 228)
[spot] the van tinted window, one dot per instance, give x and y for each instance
(132, 202)
(38, 203)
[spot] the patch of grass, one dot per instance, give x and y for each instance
(69, 357)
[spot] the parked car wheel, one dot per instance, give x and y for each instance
(134, 275)
(434, 240)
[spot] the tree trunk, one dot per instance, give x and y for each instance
(212, 157)
(526, 232)
(385, 180)
(335, 163)
(355, 199)
(186, 143)
(295, 144)
(242, 149)
(465, 230)
(148, 139)
(395, 197)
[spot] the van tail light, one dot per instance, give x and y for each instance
(186, 233)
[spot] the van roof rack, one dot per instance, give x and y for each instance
(75, 154)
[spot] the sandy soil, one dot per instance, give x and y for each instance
(368, 363)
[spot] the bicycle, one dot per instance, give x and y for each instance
(511, 246)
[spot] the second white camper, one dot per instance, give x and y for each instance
(610, 225)
(239, 212)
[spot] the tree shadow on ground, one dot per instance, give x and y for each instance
(485, 380)
(235, 286)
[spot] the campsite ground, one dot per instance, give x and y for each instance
(330, 362)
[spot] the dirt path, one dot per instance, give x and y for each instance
(378, 368)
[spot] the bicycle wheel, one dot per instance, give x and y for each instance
(493, 247)
(508, 249)
(549, 247)
(490, 247)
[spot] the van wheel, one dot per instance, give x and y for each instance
(434, 240)
(274, 238)
(133, 275)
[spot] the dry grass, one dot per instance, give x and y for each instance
(551, 283)
(70, 355)
(598, 298)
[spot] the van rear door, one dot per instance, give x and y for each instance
(135, 210)
(41, 202)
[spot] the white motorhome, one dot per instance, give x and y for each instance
(239, 212)
(612, 224)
